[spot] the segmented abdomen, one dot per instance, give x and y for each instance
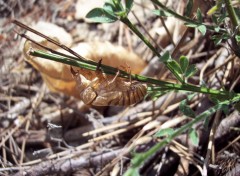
(134, 94)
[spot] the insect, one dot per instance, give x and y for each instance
(106, 90)
(96, 88)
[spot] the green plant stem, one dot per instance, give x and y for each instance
(185, 19)
(235, 26)
(90, 65)
(139, 159)
(232, 14)
(146, 41)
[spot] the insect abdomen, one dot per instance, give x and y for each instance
(133, 95)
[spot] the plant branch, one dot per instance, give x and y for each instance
(232, 14)
(186, 19)
(90, 65)
(145, 40)
(139, 159)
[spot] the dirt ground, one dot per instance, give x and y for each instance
(45, 132)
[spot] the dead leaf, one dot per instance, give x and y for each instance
(51, 30)
(57, 76)
(84, 6)
(115, 56)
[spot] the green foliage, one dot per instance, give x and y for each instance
(199, 16)
(217, 39)
(175, 66)
(194, 137)
(184, 63)
(114, 10)
(162, 13)
(165, 57)
(164, 132)
(191, 70)
(189, 8)
(110, 8)
(237, 37)
(129, 5)
(101, 15)
(201, 27)
(218, 19)
(154, 95)
(187, 70)
(132, 172)
(182, 69)
(138, 159)
(186, 110)
(111, 11)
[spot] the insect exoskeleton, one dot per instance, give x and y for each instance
(105, 90)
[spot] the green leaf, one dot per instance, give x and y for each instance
(121, 13)
(191, 70)
(189, 8)
(186, 110)
(109, 7)
(199, 16)
(221, 18)
(175, 66)
(237, 37)
(184, 62)
(100, 15)
(194, 137)
(216, 28)
(164, 132)
(212, 10)
(202, 28)
(219, 98)
(161, 13)
(156, 94)
(165, 57)
(129, 4)
(132, 172)
(192, 25)
(218, 38)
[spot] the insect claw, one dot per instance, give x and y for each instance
(74, 73)
(99, 65)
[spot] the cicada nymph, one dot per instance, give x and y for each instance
(106, 90)
(95, 88)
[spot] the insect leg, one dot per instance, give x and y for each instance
(127, 68)
(114, 78)
(74, 73)
(99, 65)
(99, 71)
